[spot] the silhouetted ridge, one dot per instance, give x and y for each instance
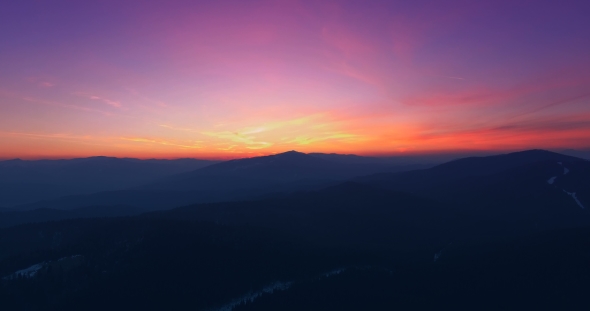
(494, 164)
(541, 186)
(239, 179)
(285, 158)
(475, 166)
(289, 153)
(290, 165)
(28, 181)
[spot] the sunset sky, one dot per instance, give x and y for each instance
(224, 79)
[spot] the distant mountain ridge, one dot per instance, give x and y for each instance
(230, 180)
(23, 181)
(504, 181)
(266, 171)
(533, 188)
(582, 153)
(466, 167)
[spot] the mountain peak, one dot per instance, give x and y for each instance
(289, 155)
(291, 152)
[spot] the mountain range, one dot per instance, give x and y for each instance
(24, 181)
(229, 181)
(503, 231)
(505, 195)
(531, 190)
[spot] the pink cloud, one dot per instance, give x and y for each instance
(567, 81)
(59, 104)
(346, 41)
(43, 82)
(107, 101)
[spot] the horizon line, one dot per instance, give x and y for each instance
(400, 154)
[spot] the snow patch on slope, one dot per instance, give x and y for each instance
(573, 195)
(437, 256)
(277, 286)
(565, 169)
(34, 269)
(250, 297)
(26, 273)
(333, 272)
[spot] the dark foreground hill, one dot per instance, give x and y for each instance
(154, 263)
(542, 272)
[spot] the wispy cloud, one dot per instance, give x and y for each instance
(174, 128)
(107, 101)
(228, 148)
(342, 137)
(346, 41)
(45, 135)
(142, 97)
(560, 102)
(63, 137)
(249, 141)
(303, 131)
(43, 82)
(62, 105)
(184, 145)
(250, 136)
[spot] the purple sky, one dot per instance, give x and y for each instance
(222, 79)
